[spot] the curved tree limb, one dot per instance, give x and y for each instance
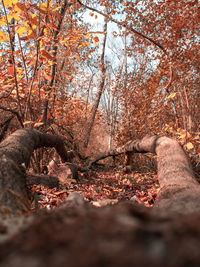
(20, 145)
(173, 164)
(15, 153)
(179, 190)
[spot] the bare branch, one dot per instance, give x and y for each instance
(126, 26)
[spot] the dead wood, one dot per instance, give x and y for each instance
(15, 153)
(64, 170)
(178, 185)
(46, 180)
(125, 234)
(179, 190)
(4, 127)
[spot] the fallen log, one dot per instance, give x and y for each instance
(15, 153)
(125, 234)
(179, 190)
(46, 180)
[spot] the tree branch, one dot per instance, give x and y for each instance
(126, 26)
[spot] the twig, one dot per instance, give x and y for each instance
(125, 25)
(23, 60)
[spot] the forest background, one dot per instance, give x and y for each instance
(100, 73)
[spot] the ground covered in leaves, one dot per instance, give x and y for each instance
(101, 187)
(127, 234)
(78, 234)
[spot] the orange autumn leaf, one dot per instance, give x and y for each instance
(3, 37)
(46, 54)
(49, 116)
(172, 95)
(96, 39)
(37, 124)
(21, 30)
(58, 103)
(2, 21)
(19, 7)
(9, 3)
(11, 70)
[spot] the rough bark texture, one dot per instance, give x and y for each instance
(122, 235)
(15, 153)
(46, 180)
(125, 234)
(4, 127)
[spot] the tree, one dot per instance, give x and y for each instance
(51, 45)
(124, 234)
(159, 92)
(46, 50)
(100, 88)
(15, 153)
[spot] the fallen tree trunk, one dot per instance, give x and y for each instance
(175, 175)
(179, 190)
(46, 180)
(125, 234)
(15, 153)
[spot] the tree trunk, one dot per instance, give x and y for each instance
(178, 187)
(15, 153)
(100, 88)
(54, 48)
(125, 234)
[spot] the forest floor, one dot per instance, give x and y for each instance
(101, 187)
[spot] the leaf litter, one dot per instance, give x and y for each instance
(101, 188)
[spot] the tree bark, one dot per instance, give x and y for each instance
(15, 153)
(125, 234)
(4, 127)
(179, 190)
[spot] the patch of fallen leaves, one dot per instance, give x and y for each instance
(101, 187)
(43, 197)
